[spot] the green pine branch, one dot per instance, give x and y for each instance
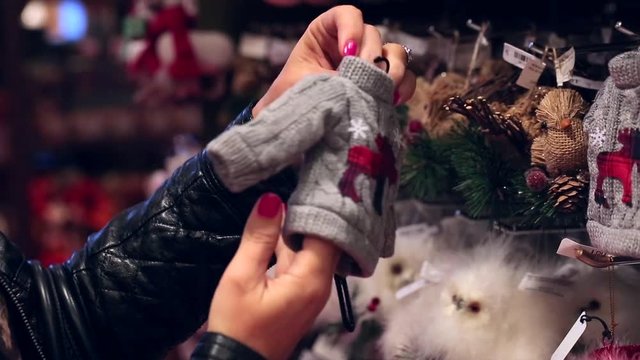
(427, 173)
(489, 178)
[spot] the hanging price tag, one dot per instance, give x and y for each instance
(531, 73)
(564, 66)
(569, 249)
(417, 230)
(586, 83)
(570, 339)
(549, 285)
(407, 290)
(429, 274)
(515, 56)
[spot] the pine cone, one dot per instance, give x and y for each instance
(568, 193)
(478, 112)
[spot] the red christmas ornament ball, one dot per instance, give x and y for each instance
(537, 179)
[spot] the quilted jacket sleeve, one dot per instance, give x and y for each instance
(148, 277)
(216, 346)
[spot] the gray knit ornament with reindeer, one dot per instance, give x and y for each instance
(613, 125)
(347, 130)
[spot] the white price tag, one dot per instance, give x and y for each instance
(430, 273)
(570, 339)
(564, 66)
(515, 56)
(530, 75)
(417, 230)
(586, 83)
(407, 290)
(254, 46)
(548, 285)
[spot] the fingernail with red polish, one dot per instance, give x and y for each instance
(396, 97)
(350, 49)
(269, 205)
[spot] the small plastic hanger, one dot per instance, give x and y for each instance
(607, 335)
(344, 299)
(384, 60)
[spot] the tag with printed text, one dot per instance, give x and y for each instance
(516, 56)
(585, 83)
(549, 285)
(530, 75)
(564, 66)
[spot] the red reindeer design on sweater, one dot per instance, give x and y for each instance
(619, 165)
(378, 165)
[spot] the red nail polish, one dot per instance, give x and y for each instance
(396, 97)
(350, 49)
(269, 205)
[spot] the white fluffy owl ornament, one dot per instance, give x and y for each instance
(475, 313)
(375, 296)
(591, 293)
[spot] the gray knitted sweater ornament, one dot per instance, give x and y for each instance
(345, 128)
(613, 125)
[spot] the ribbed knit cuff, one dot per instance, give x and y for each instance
(360, 257)
(233, 161)
(368, 77)
(616, 241)
(625, 70)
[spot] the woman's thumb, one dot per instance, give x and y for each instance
(259, 239)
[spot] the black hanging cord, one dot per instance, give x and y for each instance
(346, 310)
(384, 60)
(606, 334)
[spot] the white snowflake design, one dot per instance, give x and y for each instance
(358, 128)
(597, 137)
(398, 139)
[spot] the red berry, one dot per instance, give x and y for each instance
(537, 179)
(415, 126)
(373, 304)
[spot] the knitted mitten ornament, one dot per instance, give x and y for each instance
(346, 129)
(613, 125)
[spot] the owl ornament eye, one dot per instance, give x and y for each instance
(396, 269)
(473, 307)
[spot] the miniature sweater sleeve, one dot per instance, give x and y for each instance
(280, 135)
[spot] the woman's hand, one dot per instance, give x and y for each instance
(271, 315)
(335, 33)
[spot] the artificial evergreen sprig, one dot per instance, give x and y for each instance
(479, 113)
(427, 173)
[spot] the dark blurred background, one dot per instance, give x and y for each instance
(97, 107)
(82, 123)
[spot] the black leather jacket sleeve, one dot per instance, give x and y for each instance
(146, 280)
(215, 346)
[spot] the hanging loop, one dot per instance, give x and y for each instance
(344, 299)
(607, 335)
(384, 60)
